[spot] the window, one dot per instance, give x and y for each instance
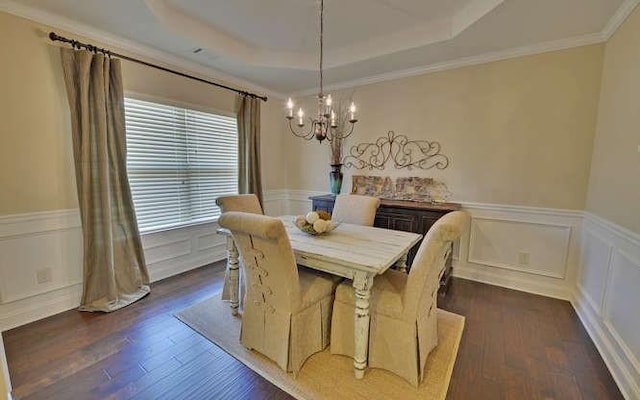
(179, 161)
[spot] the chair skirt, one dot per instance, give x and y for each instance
(287, 339)
(396, 345)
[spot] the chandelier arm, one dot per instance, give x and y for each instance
(307, 136)
(332, 133)
(353, 124)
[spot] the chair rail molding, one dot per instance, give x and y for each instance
(524, 248)
(585, 259)
(552, 268)
(41, 261)
(606, 298)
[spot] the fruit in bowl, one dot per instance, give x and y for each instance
(315, 223)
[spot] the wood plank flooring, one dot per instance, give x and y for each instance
(515, 346)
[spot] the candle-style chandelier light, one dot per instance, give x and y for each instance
(327, 121)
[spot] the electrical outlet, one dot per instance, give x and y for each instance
(44, 275)
(523, 258)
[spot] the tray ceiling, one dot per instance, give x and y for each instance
(274, 43)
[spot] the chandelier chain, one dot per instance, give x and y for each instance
(328, 124)
(321, 43)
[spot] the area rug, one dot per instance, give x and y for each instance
(328, 376)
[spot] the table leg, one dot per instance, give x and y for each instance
(234, 274)
(362, 283)
(401, 264)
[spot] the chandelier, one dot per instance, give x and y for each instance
(326, 124)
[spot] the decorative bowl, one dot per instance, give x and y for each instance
(315, 223)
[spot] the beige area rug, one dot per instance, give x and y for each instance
(327, 376)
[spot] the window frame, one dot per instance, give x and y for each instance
(192, 107)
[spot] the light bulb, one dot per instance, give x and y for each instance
(290, 108)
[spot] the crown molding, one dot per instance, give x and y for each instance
(236, 48)
(129, 46)
(66, 24)
(625, 9)
(539, 48)
(619, 17)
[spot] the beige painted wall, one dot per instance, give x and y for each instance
(614, 186)
(36, 169)
(517, 132)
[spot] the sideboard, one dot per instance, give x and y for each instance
(403, 215)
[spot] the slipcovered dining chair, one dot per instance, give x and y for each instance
(287, 311)
(355, 209)
(239, 202)
(403, 328)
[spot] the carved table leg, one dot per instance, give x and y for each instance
(234, 279)
(362, 283)
(401, 264)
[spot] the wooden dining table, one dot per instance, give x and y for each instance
(355, 252)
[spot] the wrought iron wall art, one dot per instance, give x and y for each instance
(404, 153)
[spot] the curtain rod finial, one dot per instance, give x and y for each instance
(53, 36)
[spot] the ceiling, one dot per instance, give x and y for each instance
(274, 44)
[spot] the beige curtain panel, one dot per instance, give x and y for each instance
(248, 116)
(115, 273)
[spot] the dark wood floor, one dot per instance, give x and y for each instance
(515, 346)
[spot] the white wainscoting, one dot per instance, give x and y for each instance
(524, 248)
(489, 251)
(571, 255)
(52, 242)
(607, 298)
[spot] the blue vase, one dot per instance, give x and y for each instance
(335, 178)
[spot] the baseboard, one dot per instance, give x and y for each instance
(37, 307)
(167, 270)
(620, 367)
(608, 282)
(509, 281)
(177, 252)
(32, 242)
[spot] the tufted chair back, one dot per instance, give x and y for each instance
(355, 209)
(242, 202)
(422, 284)
(270, 265)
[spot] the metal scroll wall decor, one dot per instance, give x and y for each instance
(404, 153)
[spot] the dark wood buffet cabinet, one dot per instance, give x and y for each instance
(403, 215)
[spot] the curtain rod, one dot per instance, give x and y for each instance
(76, 44)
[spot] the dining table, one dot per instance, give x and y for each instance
(355, 252)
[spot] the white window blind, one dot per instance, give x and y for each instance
(179, 161)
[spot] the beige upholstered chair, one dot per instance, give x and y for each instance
(403, 328)
(240, 202)
(287, 311)
(355, 209)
